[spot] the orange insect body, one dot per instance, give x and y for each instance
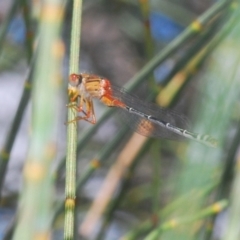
(86, 87)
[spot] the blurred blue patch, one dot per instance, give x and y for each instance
(17, 30)
(163, 28)
(163, 70)
(6, 216)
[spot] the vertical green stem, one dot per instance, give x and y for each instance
(26, 5)
(70, 189)
(34, 210)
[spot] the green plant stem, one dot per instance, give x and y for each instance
(233, 232)
(36, 198)
(94, 164)
(6, 23)
(149, 224)
(26, 5)
(191, 31)
(148, 41)
(7, 148)
(70, 188)
(86, 136)
(176, 222)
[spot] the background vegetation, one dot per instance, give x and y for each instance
(180, 54)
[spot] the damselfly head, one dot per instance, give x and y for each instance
(75, 79)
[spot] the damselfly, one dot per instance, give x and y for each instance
(145, 118)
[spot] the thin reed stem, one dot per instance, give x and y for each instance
(70, 188)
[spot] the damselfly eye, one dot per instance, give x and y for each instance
(75, 79)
